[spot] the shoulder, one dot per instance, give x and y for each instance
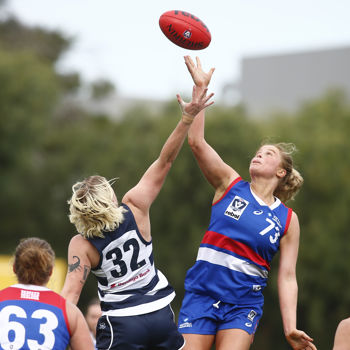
(78, 240)
(72, 310)
(234, 182)
(6, 292)
(80, 245)
(344, 326)
(294, 221)
(73, 315)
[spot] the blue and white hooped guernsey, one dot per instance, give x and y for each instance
(128, 282)
(234, 256)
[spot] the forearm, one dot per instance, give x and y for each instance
(174, 142)
(196, 131)
(288, 297)
(70, 295)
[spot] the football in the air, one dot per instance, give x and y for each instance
(185, 30)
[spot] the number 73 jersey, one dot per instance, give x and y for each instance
(243, 236)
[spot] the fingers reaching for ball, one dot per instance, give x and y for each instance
(200, 78)
(200, 100)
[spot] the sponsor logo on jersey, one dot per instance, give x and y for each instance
(185, 324)
(251, 315)
(236, 207)
(248, 324)
(257, 212)
(277, 221)
(102, 325)
(29, 294)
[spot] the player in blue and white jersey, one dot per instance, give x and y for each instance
(249, 223)
(114, 241)
(31, 315)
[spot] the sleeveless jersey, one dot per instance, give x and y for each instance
(128, 281)
(234, 256)
(32, 317)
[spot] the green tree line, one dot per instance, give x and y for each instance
(47, 145)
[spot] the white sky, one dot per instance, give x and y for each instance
(121, 40)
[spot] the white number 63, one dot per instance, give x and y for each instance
(19, 330)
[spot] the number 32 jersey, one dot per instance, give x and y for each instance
(128, 282)
(234, 256)
(32, 317)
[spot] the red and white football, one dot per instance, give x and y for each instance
(185, 30)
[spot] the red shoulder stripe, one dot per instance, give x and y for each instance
(289, 218)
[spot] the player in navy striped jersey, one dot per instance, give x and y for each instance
(33, 316)
(114, 241)
(249, 224)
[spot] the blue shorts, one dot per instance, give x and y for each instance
(202, 314)
(153, 331)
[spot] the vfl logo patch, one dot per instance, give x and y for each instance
(236, 208)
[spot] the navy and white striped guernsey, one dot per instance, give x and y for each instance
(128, 282)
(234, 256)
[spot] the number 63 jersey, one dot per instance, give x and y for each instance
(128, 282)
(32, 317)
(234, 256)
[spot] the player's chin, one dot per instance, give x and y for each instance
(254, 167)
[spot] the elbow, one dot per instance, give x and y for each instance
(288, 280)
(191, 141)
(195, 143)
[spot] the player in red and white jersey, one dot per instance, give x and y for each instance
(33, 316)
(223, 300)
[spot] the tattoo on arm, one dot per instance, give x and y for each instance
(76, 266)
(86, 273)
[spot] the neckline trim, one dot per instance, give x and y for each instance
(274, 205)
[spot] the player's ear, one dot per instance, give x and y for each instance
(281, 173)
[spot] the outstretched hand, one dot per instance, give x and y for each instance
(199, 102)
(299, 340)
(200, 78)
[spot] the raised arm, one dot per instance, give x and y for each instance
(216, 171)
(288, 288)
(144, 193)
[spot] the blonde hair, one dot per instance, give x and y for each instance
(33, 261)
(93, 207)
(291, 183)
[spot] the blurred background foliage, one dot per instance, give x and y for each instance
(46, 145)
